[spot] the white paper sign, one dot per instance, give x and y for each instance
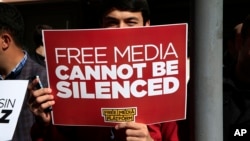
(11, 100)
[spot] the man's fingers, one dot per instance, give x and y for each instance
(37, 97)
(131, 125)
(32, 84)
(42, 91)
(133, 130)
(43, 98)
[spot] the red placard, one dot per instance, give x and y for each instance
(104, 76)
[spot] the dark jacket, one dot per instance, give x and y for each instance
(26, 118)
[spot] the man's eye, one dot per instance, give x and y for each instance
(110, 24)
(131, 23)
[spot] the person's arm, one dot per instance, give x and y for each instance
(39, 132)
(53, 133)
(40, 100)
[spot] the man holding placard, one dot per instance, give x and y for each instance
(116, 14)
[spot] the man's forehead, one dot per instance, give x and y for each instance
(123, 14)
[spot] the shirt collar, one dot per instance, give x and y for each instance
(13, 74)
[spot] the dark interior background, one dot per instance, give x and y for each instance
(71, 14)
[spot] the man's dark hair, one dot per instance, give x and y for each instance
(126, 5)
(37, 34)
(11, 21)
(245, 31)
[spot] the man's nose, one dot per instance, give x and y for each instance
(122, 25)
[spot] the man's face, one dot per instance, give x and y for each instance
(121, 19)
(244, 59)
(245, 51)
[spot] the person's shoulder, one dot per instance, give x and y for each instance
(38, 58)
(32, 62)
(37, 69)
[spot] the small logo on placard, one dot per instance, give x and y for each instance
(119, 114)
